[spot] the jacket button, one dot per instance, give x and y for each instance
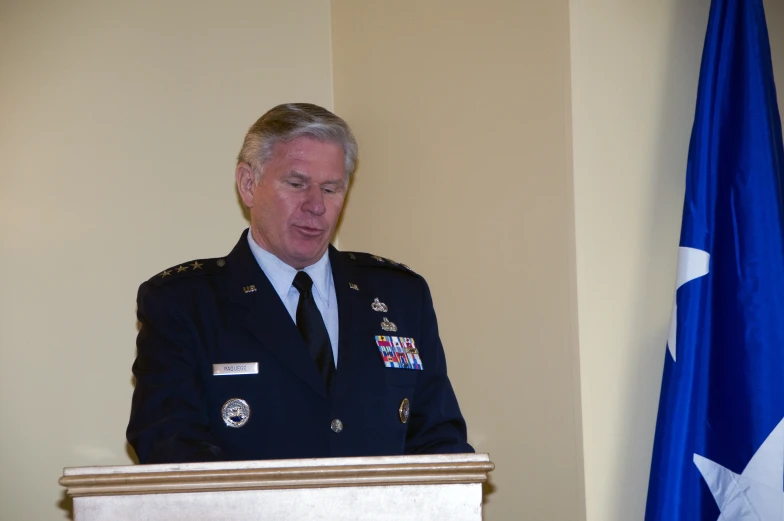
(336, 425)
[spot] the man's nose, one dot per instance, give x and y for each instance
(314, 201)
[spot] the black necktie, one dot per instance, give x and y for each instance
(311, 325)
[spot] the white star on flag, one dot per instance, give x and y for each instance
(758, 493)
(692, 264)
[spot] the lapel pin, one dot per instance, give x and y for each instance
(353, 286)
(379, 306)
(249, 289)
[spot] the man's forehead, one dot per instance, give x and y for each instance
(304, 146)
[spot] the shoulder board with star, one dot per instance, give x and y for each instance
(367, 259)
(189, 269)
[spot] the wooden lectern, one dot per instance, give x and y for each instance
(388, 488)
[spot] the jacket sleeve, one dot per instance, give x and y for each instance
(436, 424)
(168, 422)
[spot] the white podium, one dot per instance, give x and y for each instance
(393, 488)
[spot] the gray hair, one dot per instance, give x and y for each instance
(290, 121)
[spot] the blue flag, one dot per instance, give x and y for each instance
(719, 445)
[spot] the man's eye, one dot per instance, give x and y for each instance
(328, 190)
(295, 184)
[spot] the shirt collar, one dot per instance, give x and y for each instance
(281, 275)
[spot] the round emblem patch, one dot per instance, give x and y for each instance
(235, 412)
(405, 408)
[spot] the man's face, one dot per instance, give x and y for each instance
(295, 206)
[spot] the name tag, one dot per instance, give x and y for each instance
(238, 368)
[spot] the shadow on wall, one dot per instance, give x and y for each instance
(488, 488)
(66, 504)
(774, 11)
(664, 210)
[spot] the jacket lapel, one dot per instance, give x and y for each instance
(267, 318)
(350, 336)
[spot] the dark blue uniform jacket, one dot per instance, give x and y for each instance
(204, 312)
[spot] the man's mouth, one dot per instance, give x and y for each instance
(308, 231)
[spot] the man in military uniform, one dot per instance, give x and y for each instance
(286, 347)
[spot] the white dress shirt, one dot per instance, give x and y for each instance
(281, 275)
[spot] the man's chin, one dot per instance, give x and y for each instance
(302, 258)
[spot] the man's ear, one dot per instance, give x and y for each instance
(246, 181)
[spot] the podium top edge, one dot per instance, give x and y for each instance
(280, 464)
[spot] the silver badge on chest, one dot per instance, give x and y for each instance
(386, 325)
(377, 305)
(235, 412)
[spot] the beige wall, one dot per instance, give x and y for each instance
(635, 68)
(118, 131)
(120, 124)
(462, 111)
